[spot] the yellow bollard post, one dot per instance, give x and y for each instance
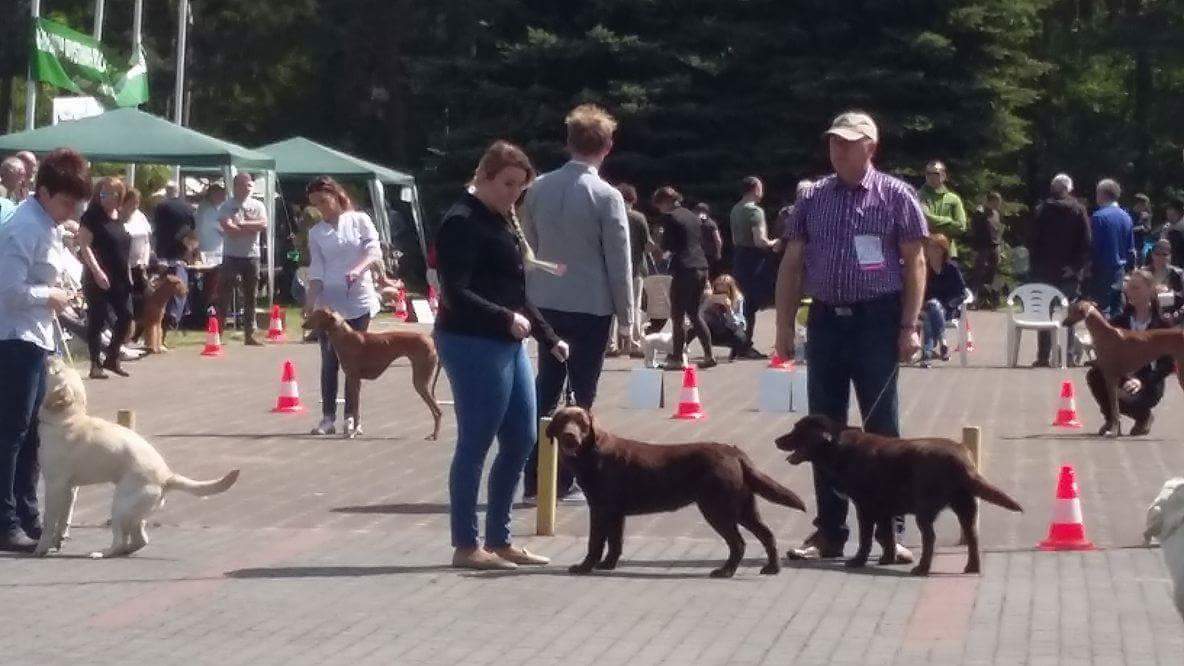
(126, 418)
(972, 440)
(548, 478)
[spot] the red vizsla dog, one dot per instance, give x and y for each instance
(368, 355)
(1120, 352)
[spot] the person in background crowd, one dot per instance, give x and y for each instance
(105, 247)
(865, 272)
(1168, 277)
(1141, 219)
(242, 218)
(751, 250)
(136, 224)
(1141, 391)
(1174, 229)
(713, 243)
(986, 239)
(484, 317)
(31, 256)
(342, 248)
(1058, 243)
(210, 241)
(681, 234)
(12, 179)
(723, 312)
(640, 244)
(172, 221)
(572, 216)
(945, 292)
(30, 161)
(1113, 248)
(944, 211)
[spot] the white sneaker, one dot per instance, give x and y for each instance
(326, 427)
(349, 430)
(576, 496)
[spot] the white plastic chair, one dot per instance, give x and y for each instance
(961, 325)
(1036, 299)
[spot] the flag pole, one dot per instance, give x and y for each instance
(100, 5)
(137, 25)
(179, 91)
(30, 84)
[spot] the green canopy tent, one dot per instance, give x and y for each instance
(131, 136)
(301, 159)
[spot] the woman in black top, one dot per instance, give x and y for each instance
(107, 282)
(682, 237)
(1142, 390)
(483, 320)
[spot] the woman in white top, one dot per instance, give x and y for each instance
(30, 271)
(137, 226)
(342, 247)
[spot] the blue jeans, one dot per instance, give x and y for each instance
(1105, 289)
(493, 390)
(587, 336)
(329, 370)
(22, 366)
(853, 345)
(933, 325)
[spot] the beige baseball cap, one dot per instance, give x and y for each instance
(854, 126)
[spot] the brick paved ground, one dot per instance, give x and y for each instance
(330, 551)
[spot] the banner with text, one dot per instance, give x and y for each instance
(76, 62)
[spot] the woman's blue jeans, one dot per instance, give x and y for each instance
(933, 324)
(493, 389)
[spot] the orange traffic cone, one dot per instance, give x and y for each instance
(969, 336)
(289, 400)
(1067, 414)
(778, 363)
(401, 305)
(213, 337)
(433, 300)
(275, 331)
(1066, 531)
(689, 407)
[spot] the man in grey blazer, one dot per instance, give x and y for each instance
(572, 216)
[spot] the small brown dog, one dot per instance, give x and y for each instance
(365, 355)
(889, 476)
(622, 477)
(1120, 352)
(150, 323)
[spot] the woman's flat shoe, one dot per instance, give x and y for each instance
(708, 363)
(479, 558)
(114, 367)
(521, 556)
(97, 373)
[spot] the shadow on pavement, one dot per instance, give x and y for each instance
(337, 571)
(410, 509)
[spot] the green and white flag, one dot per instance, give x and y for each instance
(76, 62)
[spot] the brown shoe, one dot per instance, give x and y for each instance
(97, 372)
(479, 558)
(251, 341)
(816, 547)
(114, 366)
(520, 556)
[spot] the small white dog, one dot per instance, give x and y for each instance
(654, 343)
(1165, 521)
(80, 450)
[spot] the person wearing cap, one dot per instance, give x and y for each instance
(854, 245)
(944, 211)
(1058, 244)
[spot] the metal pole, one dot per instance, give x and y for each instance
(30, 84)
(99, 7)
(137, 40)
(179, 90)
(547, 482)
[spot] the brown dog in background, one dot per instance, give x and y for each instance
(150, 323)
(622, 477)
(365, 355)
(1120, 352)
(889, 476)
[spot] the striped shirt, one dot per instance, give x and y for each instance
(852, 236)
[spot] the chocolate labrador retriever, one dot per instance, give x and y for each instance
(887, 476)
(622, 477)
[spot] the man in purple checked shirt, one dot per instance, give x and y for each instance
(853, 244)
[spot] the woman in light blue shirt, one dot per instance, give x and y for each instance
(342, 247)
(30, 268)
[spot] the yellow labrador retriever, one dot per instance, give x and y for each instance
(1165, 521)
(81, 450)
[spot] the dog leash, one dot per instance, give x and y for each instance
(889, 382)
